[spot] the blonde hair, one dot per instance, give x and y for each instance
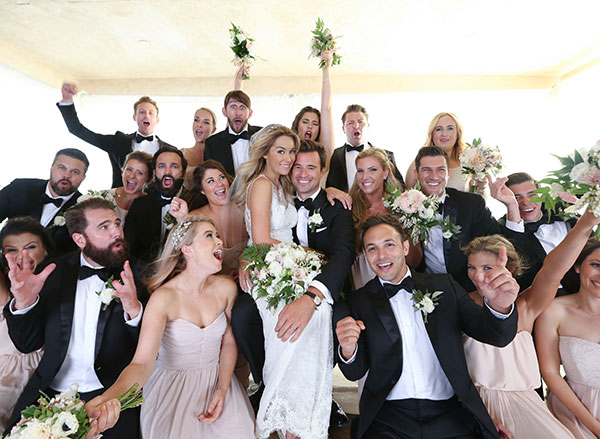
(459, 146)
(260, 144)
(360, 204)
(209, 111)
(172, 261)
(492, 244)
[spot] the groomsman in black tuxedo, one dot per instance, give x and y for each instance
(543, 232)
(58, 309)
(342, 168)
(47, 200)
(147, 223)
(418, 385)
(321, 226)
(231, 146)
(118, 145)
(467, 210)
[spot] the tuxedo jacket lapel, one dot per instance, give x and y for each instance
(384, 311)
(102, 319)
(67, 301)
(318, 204)
(451, 212)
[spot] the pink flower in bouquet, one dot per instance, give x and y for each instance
(567, 197)
(410, 201)
(475, 159)
(586, 174)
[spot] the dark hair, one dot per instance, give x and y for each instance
(589, 248)
(379, 219)
(26, 224)
(75, 215)
(301, 114)
(144, 99)
(165, 149)
(75, 154)
(430, 151)
(193, 196)
(239, 96)
(518, 178)
(312, 146)
(355, 108)
(142, 157)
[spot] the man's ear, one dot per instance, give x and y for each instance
(79, 240)
(224, 111)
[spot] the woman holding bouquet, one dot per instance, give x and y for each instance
(297, 396)
(186, 351)
(22, 238)
(508, 388)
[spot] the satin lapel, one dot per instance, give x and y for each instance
(450, 211)
(318, 203)
(70, 202)
(68, 289)
(295, 235)
(37, 206)
(385, 313)
(431, 322)
(102, 319)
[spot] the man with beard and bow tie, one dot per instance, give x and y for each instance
(231, 147)
(47, 200)
(342, 167)
(543, 232)
(84, 341)
(118, 145)
(417, 383)
(148, 222)
(323, 227)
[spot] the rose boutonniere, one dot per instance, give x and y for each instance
(169, 220)
(107, 295)
(315, 220)
(425, 302)
(59, 221)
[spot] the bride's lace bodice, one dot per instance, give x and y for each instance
(283, 215)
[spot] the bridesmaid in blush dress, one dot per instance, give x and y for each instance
(186, 352)
(506, 378)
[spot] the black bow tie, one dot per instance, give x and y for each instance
(139, 138)
(235, 137)
(358, 148)
(406, 284)
(47, 200)
(307, 204)
(545, 219)
(162, 201)
(103, 273)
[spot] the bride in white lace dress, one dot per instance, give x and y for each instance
(297, 397)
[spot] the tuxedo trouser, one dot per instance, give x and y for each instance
(423, 419)
(247, 328)
(128, 425)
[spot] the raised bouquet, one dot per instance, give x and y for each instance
(323, 40)
(104, 194)
(416, 213)
(576, 184)
(243, 48)
(282, 272)
(63, 416)
(479, 160)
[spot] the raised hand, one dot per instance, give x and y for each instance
(347, 331)
(327, 55)
(502, 193)
(127, 292)
(294, 317)
(178, 208)
(104, 415)
(498, 285)
(214, 408)
(68, 91)
(24, 285)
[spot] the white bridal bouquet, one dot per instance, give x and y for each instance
(281, 272)
(323, 40)
(63, 416)
(479, 160)
(104, 194)
(416, 213)
(243, 48)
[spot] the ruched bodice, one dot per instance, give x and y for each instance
(580, 359)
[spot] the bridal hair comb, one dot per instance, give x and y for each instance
(179, 233)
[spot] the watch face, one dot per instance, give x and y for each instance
(317, 300)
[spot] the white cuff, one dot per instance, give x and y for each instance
(496, 313)
(135, 321)
(323, 290)
(352, 358)
(20, 312)
(515, 227)
(64, 104)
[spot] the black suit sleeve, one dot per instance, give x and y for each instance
(209, 153)
(134, 215)
(358, 368)
(7, 194)
(397, 173)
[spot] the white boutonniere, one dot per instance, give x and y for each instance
(315, 220)
(107, 295)
(169, 220)
(449, 229)
(425, 302)
(59, 221)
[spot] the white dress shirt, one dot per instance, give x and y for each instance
(302, 234)
(351, 166)
(550, 235)
(240, 150)
(49, 210)
(78, 365)
(145, 145)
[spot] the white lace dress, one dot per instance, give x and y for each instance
(297, 376)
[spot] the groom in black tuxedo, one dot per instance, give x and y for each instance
(118, 145)
(59, 310)
(47, 200)
(418, 384)
(231, 147)
(321, 226)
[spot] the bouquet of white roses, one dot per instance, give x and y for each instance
(479, 160)
(63, 416)
(323, 40)
(416, 213)
(104, 194)
(282, 272)
(243, 48)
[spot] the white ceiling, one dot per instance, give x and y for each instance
(125, 45)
